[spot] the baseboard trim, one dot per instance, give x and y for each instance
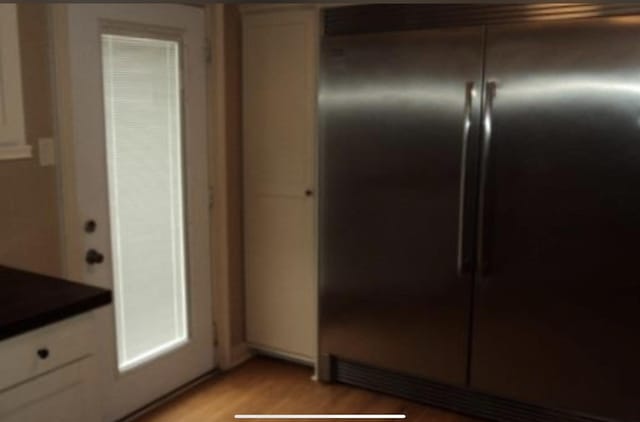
(281, 354)
(240, 353)
(460, 400)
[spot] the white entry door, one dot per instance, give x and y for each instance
(138, 104)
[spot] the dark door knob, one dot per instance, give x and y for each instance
(93, 257)
(308, 192)
(90, 226)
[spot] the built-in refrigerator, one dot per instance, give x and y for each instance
(480, 210)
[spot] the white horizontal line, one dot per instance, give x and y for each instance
(321, 416)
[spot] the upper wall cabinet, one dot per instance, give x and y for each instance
(13, 143)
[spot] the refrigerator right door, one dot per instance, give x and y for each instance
(556, 315)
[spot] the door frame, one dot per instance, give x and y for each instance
(70, 222)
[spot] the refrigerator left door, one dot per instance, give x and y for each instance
(399, 117)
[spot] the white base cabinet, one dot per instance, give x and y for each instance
(49, 374)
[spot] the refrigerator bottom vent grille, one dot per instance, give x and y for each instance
(441, 395)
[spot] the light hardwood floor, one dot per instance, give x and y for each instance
(265, 385)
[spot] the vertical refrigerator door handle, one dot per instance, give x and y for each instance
(487, 120)
(462, 259)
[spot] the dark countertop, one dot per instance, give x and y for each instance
(29, 300)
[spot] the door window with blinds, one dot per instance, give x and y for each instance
(143, 115)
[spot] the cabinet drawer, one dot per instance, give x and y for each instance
(64, 395)
(44, 350)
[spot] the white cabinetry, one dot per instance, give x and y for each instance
(48, 375)
(13, 142)
(279, 61)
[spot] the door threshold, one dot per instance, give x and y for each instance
(170, 395)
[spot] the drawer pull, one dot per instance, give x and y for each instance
(43, 353)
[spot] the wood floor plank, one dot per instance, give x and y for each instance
(265, 385)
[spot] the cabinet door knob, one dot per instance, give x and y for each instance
(43, 353)
(308, 192)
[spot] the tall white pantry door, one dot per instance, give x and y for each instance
(279, 96)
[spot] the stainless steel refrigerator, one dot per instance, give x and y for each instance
(480, 211)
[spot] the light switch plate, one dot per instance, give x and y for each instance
(46, 152)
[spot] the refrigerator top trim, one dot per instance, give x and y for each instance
(375, 18)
